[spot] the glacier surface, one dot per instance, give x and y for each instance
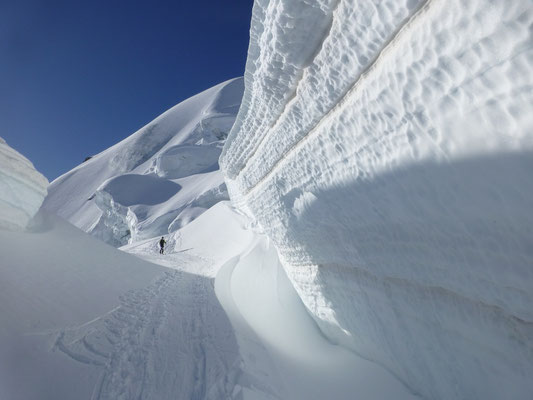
(22, 189)
(156, 180)
(218, 317)
(386, 150)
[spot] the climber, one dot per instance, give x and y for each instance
(162, 245)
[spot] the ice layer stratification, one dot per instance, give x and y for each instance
(386, 149)
(22, 189)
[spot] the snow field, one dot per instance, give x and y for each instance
(217, 319)
(282, 354)
(396, 186)
(149, 332)
(58, 289)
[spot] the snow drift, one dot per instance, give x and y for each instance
(386, 150)
(158, 179)
(22, 188)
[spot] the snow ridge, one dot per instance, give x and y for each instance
(112, 195)
(392, 176)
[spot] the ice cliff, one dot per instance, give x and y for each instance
(156, 180)
(22, 188)
(386, 149)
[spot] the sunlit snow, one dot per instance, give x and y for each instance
(22, 188)
(369, 236)
(140, 187)
(388, 156)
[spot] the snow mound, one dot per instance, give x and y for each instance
(387, 154)
(22, 189)
(156, 180)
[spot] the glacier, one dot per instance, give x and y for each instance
(378, 243)
(22, 189)
(158, 179)
(386, 150)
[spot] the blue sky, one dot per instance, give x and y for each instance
(78, 76)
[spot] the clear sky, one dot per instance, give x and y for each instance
(78, 76)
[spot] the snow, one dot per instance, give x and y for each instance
(22, 189)
(139, 188)
(215, 317)
(282, 354)
(387, 156)
(59, 286)
(218, 318)
(294, 361)
(378, 243)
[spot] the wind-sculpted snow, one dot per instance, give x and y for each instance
(112, 195)
(393, 175)
(279, 63)
(22, 188)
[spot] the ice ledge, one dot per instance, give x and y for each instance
(22, 189)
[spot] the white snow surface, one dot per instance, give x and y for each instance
(385, 148)
(217, 319)
(142, 187)
(22, 189)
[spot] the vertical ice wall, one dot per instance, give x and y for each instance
(22, 188)
(386, 148)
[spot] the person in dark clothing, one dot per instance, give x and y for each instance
(162, 245)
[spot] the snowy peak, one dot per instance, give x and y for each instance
(113, 194)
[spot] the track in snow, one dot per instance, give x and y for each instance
(171, 340)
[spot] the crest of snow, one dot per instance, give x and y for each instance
(22, 188)
(386, 148)
(156, 180)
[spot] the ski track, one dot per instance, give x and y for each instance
(170, 340)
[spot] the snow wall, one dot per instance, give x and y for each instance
(386, 149)
(22, 189)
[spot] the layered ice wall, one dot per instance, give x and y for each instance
(386, 148)
(22, 189)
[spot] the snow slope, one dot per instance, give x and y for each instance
(281, 352)
(156, 180)
(81, 319)
(386, 150)
(22, 188)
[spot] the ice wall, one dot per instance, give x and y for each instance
(386, 149)
(22, 188)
